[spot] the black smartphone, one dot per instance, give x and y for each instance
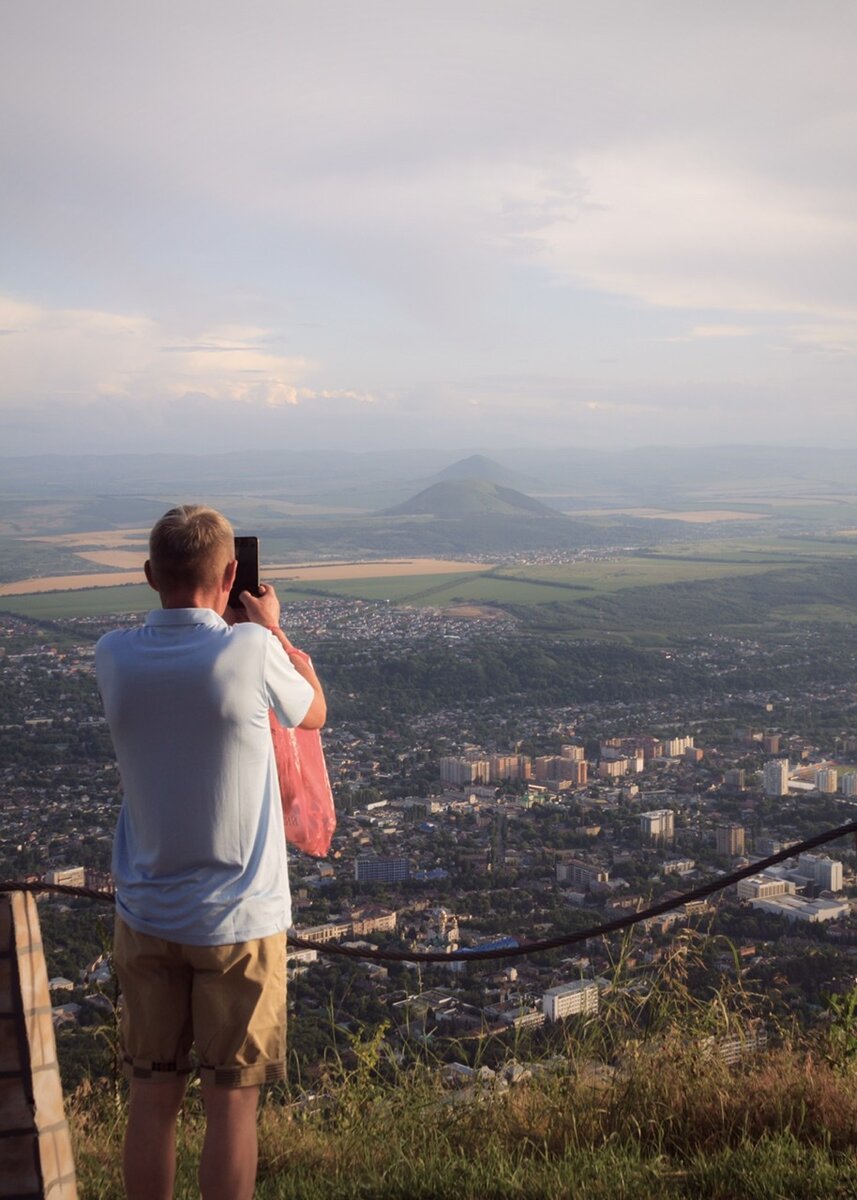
(247, 575)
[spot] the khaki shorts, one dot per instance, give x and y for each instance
(228, 1002)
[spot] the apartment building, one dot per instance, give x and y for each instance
(568, 999)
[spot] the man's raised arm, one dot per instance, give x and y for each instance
(265, 610)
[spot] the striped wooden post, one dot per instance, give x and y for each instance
(36, 1161)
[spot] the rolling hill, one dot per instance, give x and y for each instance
(457, 498)
(478, 466)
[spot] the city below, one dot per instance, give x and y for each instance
(477, 826)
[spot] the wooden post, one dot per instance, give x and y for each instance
(36, 1161)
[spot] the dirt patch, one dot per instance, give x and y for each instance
(479, 612)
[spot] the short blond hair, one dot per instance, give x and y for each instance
(189, 548)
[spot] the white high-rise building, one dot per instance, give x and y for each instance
(462, 769)
(658, 825)
(581, 874)
(508, 766)
(570, 998)
(848, 783)
(776, 777)
(675, 747)
(763, 887)
(730, 840)
(828, 875)
(826, 780)
(826, 872)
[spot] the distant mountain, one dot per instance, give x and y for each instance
(468, 498)
(477, 466)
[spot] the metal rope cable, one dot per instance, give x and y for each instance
(527, 948)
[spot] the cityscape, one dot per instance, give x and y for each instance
(477, 826)
(522, 339)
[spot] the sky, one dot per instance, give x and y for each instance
(362, 224)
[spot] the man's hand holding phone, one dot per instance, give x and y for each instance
(263, 609)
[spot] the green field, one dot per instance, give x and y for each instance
(83, 602)
(96, 602)
(401, 589)
(760, 550)
(685, 588)
(436, 591)
(651, 596)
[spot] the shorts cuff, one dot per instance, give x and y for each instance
(156, 1072)
(238, 1077)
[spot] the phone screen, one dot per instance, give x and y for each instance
(247, 575)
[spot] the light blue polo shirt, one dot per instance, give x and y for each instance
(199, 854)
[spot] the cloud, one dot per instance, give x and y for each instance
(629, 409)
(77, 355)
(70, 353)
(721, 331)
(665, 226)
(301, 210)
(837, 338)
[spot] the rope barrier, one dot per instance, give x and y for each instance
(526, 948)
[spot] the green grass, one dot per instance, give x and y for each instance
(697, 587)
(85, 602)
(439, 591)
(633, 571)
(401, 589)
(816, 614)
(643, 597)
(97, 602)
(635, 1102)
(583, 581)
(532, 585)
(783, 550)
(674, 1122)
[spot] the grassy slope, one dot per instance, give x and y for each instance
(675, 1124)
(635, 1103)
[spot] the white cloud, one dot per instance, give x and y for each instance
(721, 331)
(77, 355)
(838, 338)
(629, 409)
(71, 353)
(661, 225)
(581, 198)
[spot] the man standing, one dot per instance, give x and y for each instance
(199, 857)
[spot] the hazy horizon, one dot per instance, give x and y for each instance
(384, 227)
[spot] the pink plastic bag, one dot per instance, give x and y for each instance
(308, 813)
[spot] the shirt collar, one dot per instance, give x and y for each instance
(186, 616)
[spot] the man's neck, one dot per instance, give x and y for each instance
(197, 599)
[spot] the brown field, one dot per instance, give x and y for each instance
(477, 611)
(381, 568)
(69, 583)
(105, 537)
(305, 571)
(115, 558)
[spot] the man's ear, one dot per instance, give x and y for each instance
(229, 574)
(150, 579)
